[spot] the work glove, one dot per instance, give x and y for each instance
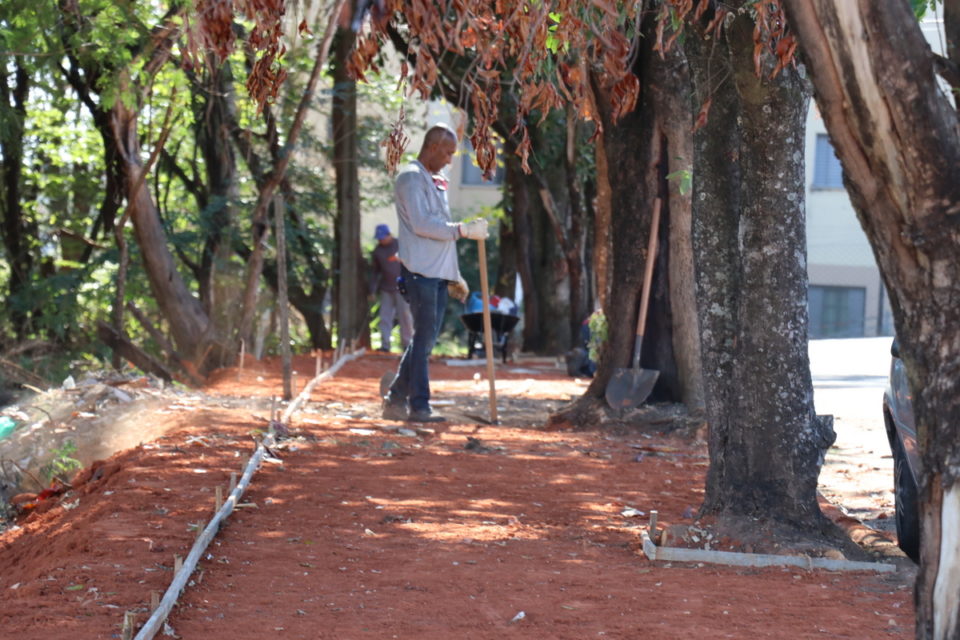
(458, 289)
(476, 230)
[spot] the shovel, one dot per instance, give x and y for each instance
(630, 387)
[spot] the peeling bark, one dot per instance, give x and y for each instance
(897, 139)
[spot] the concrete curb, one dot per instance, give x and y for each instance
(653, 552)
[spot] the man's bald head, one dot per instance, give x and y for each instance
(437, 134)
(439, 145)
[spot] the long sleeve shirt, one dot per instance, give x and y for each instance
(427, 233)
(386, 267)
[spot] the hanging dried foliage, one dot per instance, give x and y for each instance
(396, 143)
(543, 52)
(214, 31)
(772, 39)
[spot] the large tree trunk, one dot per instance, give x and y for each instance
(349, 285)
(17, 231)
(766, 444)
(189, 325)
(637, 155)
(897, 139)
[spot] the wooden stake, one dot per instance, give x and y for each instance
(243, 355)
(154, 600)
(487, 329)
(177, 564)
(233, 481)
(286, 358)
(129, 621)
(218, 498)
(654, 515)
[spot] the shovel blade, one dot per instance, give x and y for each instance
(630, 387)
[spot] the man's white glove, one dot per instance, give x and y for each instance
(476, 230)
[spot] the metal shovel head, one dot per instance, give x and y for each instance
(630, 387)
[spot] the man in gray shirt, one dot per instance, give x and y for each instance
(428, 255)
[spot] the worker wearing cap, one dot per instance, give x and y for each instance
(385, 269)
(428, 253)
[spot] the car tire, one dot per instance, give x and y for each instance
(907, 505)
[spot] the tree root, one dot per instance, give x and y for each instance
(590, 412)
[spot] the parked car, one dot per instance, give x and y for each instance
(902, 433)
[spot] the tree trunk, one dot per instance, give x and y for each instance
(575, 236)
(897, 139)
(215, 112)
(603, 215)
(678, 154)
(551, 271)
(17, 231)
(506, 251)
(766, 444)
(349, 282)
(189, 325)
(637, 152)
(518, 208)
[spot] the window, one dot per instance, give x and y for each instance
(827, 173)
(837, 312)
(471, 175)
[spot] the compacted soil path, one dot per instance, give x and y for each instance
(372, 529)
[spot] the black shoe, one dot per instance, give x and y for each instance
(393, 410)
(424, 415)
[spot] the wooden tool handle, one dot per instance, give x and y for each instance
(647, 280)
(487, 328)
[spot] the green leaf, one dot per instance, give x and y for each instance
(685, 177)
(920, 7)
(553, 43)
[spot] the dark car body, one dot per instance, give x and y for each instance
(902, 434)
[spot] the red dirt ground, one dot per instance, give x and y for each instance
(377, 533)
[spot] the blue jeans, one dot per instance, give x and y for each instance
(428, 300)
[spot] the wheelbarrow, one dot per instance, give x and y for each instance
(500, 323)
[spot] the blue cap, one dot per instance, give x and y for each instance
(382, 232)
